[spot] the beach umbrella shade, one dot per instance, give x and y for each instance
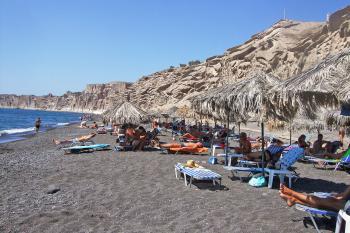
(128, 113)
(327, 84)
(242, 100)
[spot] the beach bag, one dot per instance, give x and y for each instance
(257, 181)
(212, 160)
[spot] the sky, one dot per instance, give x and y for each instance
(54, 46)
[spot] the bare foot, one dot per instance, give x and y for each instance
(290, 200)
(285, 190)
(55, 141)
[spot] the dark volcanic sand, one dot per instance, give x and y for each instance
(136, 192)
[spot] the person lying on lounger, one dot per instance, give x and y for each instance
(334, 202)
(75, 140)
(337, 155)
(179, 145)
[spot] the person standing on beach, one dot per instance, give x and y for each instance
(37, 124)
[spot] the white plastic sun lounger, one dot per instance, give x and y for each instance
(314, 212)
(325, 162)
(286, 162)
(196, 173)
(230, 156)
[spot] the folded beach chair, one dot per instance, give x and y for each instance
(197, 173)
(286, 161)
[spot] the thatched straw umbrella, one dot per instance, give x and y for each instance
(323, 87)
(326, 84)
(127, 113)
(241, 99)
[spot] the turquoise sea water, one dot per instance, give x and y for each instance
(17, 123)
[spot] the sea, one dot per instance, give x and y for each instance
(16, 124)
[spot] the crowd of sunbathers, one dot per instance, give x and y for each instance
(135, 137)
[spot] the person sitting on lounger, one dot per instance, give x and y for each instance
(245, 147)
(334, 202)
(94, 125)
(139, 139)
(75, 140)
(317, 147)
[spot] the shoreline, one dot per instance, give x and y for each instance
(9, 138)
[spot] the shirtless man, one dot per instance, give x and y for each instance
(75, 140)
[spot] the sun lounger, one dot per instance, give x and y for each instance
(343, 217)
(314, 212)
(196, 173)
(285, 162)
(90, 148)
(345, 160)
(230, 156)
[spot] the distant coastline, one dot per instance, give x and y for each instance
(98, 112)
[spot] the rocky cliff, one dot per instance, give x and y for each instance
(285, 49)
(96, 98)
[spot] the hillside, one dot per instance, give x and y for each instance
(287, 48)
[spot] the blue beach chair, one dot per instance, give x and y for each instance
(314, 212)
(196, 173)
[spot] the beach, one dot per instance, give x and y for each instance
(108, 191)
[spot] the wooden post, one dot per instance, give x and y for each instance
(227, 146)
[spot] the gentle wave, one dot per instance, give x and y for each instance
(14, 131)
(62, 124)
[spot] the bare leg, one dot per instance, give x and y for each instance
(58, 142)
(170, 145)
(256, 156)
(329, 203)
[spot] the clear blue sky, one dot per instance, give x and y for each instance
(59, 45)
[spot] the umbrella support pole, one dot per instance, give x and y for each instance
(263, 149)
(228, 132)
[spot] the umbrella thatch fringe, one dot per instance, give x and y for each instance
(240, 101)
(327, 84)
(336, 119)
(127, 113)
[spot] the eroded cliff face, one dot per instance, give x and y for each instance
(96, 98)
(287, 48)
